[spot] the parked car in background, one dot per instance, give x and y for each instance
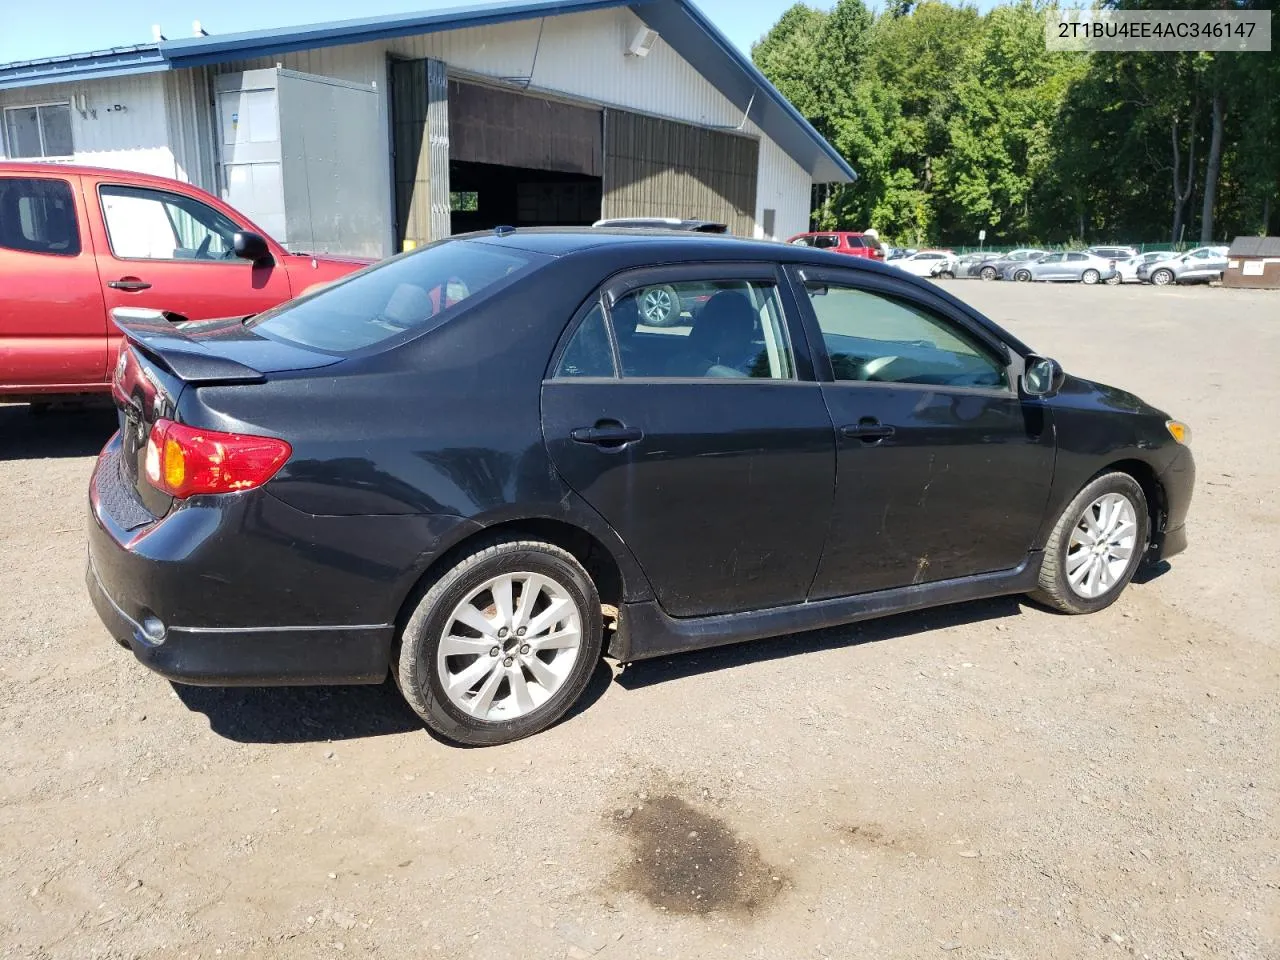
(993, 267)
(966, 263)
(897, 253)
(361, 483)
(1127, 270)
(1076, 265)
(76, 242)
(1196, 266)
(841, 241)
(927, 263)
(1113, 253)
(664, 223)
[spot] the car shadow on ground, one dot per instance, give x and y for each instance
(318, 714)
(72, 431)
(662, 669)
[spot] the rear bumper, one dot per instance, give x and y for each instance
(243, 589)
(245, 656)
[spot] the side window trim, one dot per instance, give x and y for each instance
(799, 274)
(162, 194)
(72, 184)
(580, 316)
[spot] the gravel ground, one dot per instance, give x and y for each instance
(987, 781)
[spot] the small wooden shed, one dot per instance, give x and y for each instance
(1253, 262)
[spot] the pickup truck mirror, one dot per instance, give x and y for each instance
(1042, 377)
(251, 246)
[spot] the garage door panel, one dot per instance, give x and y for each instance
(488, 125)
(662, 168)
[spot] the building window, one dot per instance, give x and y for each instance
(466, 201)
(38, 132)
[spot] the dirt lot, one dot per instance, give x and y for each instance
(984, 781)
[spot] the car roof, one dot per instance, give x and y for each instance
(76, 169)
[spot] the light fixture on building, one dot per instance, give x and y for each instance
(642, 42)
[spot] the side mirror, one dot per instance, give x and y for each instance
(251, 246)
(1042, 377)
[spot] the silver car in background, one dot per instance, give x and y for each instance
(1077, 265)
(1127, 270)
(1197, 266)
(994, 267)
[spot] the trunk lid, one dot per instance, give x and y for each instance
(162, 358)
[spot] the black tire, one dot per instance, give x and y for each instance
(1113, 280)
(671, 317)
(1162, 278)
(1023, 276)
(416, 671)
(1054, 590)
(987, 273)
(1090, 276)
(946, 275)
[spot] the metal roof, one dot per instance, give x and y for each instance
(682, 25)
(1255, 247)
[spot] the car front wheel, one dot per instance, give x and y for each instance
(1096, 545)
(1113, 280)
(502, 644)
(987, 273)
(1162, 278)
(1023, 276)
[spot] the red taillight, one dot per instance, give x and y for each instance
(185, 461)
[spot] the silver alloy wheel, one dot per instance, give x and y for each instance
(509, 646)
(1023, 276)
(1162, 278)
(1090, 276)
(1101, 545)
(657, 305)
(987, 273)
(1114, 279)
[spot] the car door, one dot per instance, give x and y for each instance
(705, 445)
(53, 326)
(1074, 265)
(942, 469)
(172, 250)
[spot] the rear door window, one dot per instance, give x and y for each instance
(38, 216)
(401, 297)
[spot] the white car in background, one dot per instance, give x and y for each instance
(1127, 269)
(928, 263)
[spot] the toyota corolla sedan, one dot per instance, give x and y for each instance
(449, 466)
(1080, 266)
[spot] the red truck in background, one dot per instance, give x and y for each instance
(77, 242)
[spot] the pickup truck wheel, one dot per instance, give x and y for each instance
(502, 644)
(1096, 545)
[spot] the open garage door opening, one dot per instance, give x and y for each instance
(484, 195)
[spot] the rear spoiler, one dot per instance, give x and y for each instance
(161, 336)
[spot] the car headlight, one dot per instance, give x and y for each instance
(1179, 431)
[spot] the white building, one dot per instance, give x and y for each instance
(370, 136)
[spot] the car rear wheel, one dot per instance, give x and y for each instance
(660, 306)
(1023, 276)
(502, 644)
(1162, 278)
(1095, 547)
(987, 273)
(1090, 276)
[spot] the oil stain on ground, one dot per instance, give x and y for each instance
(686, 861)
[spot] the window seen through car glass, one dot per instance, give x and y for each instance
(154, 225)
(38, 216)
(719, 329)
(826, 242)
(401, 296)
(589, 353)
(871, 337)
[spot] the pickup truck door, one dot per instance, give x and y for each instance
(53, 327)
(170, 249)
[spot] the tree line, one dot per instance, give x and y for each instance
(958, 121)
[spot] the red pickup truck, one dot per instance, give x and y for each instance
(76, 242)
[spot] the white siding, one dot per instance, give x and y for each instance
(580, 56)
(133, 138)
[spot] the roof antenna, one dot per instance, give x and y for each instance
(156, 35)
(503, 231)
(197, 30)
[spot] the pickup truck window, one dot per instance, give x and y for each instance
(38, 216)
(145, 224)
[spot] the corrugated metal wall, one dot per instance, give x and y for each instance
(491, 125)
(579, 56)
(662, 168)
(187, 102)
(420, 147)
(123, 125)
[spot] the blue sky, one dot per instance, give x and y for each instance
(32, 30)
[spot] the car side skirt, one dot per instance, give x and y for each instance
(645, 631)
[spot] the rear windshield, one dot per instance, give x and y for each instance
(402, 297)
